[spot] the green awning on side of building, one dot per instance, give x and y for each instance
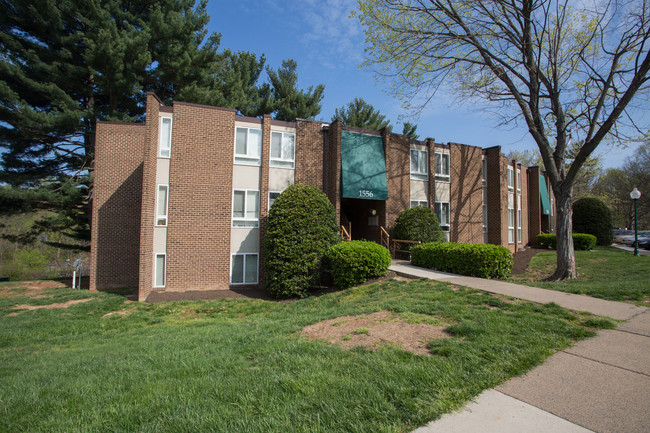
(543, 193)
(363, 167)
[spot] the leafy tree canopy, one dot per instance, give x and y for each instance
(361, 114)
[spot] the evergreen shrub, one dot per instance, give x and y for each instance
(300, 229)
(417, 224)
(476, 260)
(355, 262)
(592, 216)
(581, 241)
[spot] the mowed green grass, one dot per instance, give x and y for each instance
(241, 365)
(607, 273)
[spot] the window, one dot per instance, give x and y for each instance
(160, 270)
(165, 144)
(484, 171)
(511, 218)
(419, 166)
(442, 167)
(243, 269)
(442, 212)
(519, 213)
(416, 203)
(511, 181)
(272, 196)
(283, 146)
(161, 207)
(248, 146)
(245, 208)
(518, 181)
(485, 211)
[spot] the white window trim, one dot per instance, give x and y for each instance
(244, 218)
(166, 216)
(160, 144)
(445, 227)
(155, 270)
(246, 159)
(282, 159)
(272, 192)
(485, 218)
(423, 203)
(519, 214)
(245, 283)
(439, 176)
(518, 181)
(484, 171)
(510, 179)
(419, 175)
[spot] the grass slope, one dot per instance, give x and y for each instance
(239, 365)
(607, 273)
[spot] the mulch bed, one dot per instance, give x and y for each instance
(522, 259)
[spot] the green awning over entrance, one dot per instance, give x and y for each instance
(543, 193)
(363, 167)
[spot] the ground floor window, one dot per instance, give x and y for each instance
(416, 203)
(243, 268)
(442, 212)
(160, 270)
(272, 196)
(519, 214)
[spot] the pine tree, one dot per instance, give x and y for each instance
(361, 114)
(290, 103)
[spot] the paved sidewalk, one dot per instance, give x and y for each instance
(599, 385)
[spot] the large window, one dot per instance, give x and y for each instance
(419, 164)
(283, 148)
(484, 171)
(248, 146)
(519, 214)
(416, 203)
(442, 212)
(511, 180)
(485, 211)
(511, 218)
(161, 206)
(165, 142)
(519, 181)
(442, 167)
(160, 270)
(245, 208)
(243, 269)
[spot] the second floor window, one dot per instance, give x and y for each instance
(419, 166)
(248, 146)
(165, 142)
(283, 149)
(245, 208)
(511, 180)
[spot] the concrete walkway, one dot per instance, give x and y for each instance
(599, 385)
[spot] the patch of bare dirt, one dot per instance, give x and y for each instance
(374, 330)
(32, 289)
(26, 307)
(522, 258)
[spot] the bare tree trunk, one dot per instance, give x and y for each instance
(566, 261)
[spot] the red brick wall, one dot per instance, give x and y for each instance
(534, 205)
(524, 206)
(332, 166)
(466, 194)
(264, 193)
(398, 173)
(431, 197)
(115, 237)
(497, 192)
(200, 198)
(309, 153)
(147, 213)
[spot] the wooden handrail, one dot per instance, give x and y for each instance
(394, 249)
(345, 235)
(384, 237)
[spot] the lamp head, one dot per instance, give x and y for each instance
(635, 194)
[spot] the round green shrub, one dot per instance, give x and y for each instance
(592, 216)
(583, 241)
(300, 229)
(417, 224)
(355, 262)
(476, 260)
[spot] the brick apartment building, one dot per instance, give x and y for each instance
(180, 202)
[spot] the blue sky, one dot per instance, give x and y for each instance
(328, 47)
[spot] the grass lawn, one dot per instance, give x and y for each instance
(241, 365)
(607, 273)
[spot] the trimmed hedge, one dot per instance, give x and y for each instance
(300, 229)
(476, 260)
(355, 262)
(581, 241)
(418, 224)
(592, 216)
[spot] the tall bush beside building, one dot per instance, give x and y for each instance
(301, 228)
(417, 224)
(592, 216)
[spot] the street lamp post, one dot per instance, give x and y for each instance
(636, 195)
